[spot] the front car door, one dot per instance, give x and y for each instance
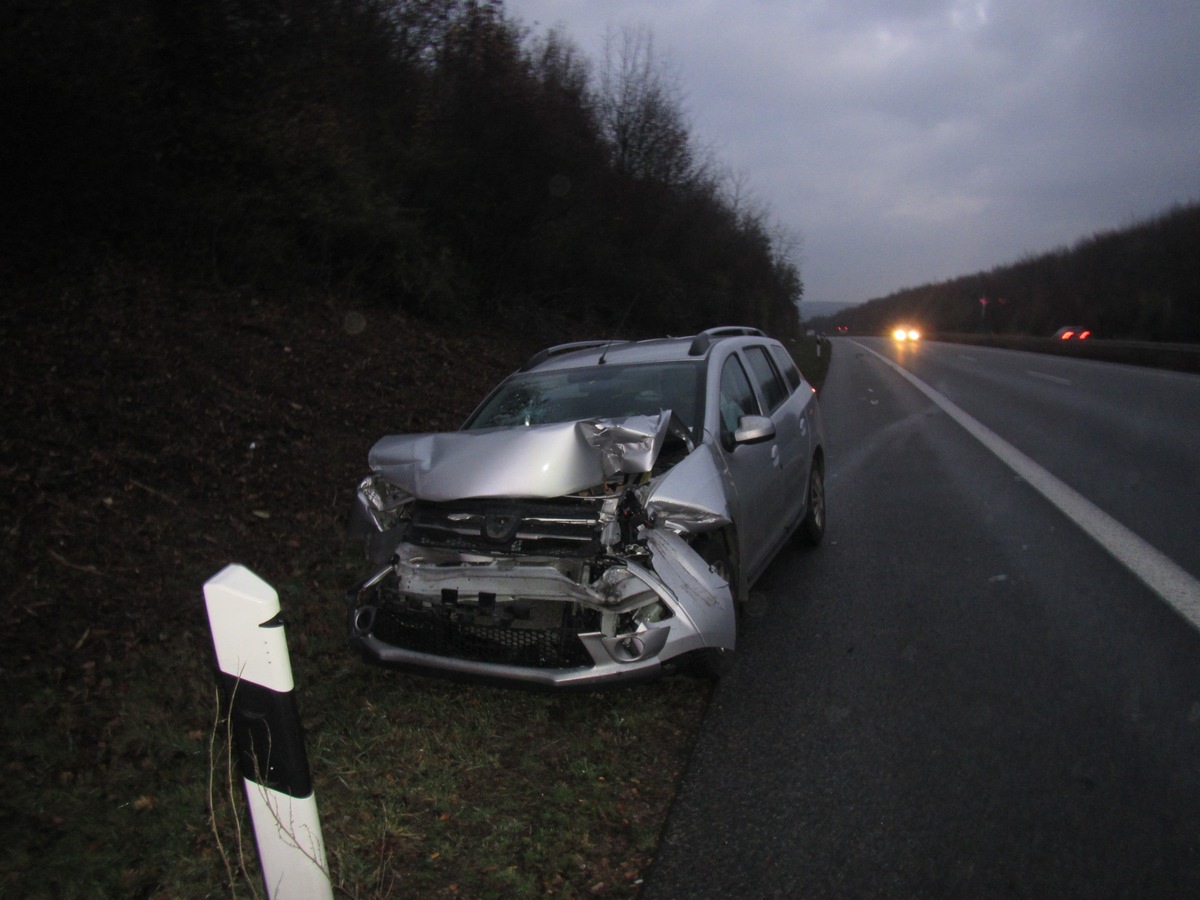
(753, 468)
(792, 434)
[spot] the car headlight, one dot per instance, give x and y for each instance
(383, 500)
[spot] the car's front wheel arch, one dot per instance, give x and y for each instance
(720, 550)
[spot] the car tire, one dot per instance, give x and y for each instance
(812, 529)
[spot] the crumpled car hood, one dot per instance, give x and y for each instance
(542, 461)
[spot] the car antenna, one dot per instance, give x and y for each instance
(616, 331)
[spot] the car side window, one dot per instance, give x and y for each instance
(787, 366)
(774, 391)
(737, 397)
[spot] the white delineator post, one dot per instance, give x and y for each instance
(252, 654)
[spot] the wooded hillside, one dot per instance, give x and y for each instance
(428, 154)
(1137, 283)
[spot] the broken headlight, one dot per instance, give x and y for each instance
(383, 501)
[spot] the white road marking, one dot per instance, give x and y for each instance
(1155, 569)
(1053, 378)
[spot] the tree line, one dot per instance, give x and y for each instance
(1137, 283)
(433, 154)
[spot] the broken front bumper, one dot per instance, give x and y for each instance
(529, 621)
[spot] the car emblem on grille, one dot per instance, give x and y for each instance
(500, 526)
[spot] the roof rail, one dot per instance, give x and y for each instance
(702, 341)
(558, 349)
(733, 330)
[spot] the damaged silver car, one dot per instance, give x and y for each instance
(598, 519)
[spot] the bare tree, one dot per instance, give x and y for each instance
(641, 111)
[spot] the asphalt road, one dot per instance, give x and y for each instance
(963, 693)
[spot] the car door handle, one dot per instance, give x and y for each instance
(775, 455)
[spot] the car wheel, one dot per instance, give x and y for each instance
(713, 662)
(812, 529)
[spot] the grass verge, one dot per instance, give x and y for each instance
(812, 355)
(426, 788)
(153, 435)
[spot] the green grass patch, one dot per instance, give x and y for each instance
(118, 780)
(812, 355)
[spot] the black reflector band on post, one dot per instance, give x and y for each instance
(268, 737)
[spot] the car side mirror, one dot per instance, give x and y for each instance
(754, 430)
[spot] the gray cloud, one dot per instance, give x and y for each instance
(915, 141)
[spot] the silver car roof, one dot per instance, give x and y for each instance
(590, 353)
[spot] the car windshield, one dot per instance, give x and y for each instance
(606, 392)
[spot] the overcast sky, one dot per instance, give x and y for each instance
(909, 141)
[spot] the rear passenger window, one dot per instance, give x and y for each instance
(774, 391)
(787, 366)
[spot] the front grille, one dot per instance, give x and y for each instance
(564, 526)
(463, 634)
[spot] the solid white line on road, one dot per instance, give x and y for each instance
(1053, 378)
(1155, 569)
